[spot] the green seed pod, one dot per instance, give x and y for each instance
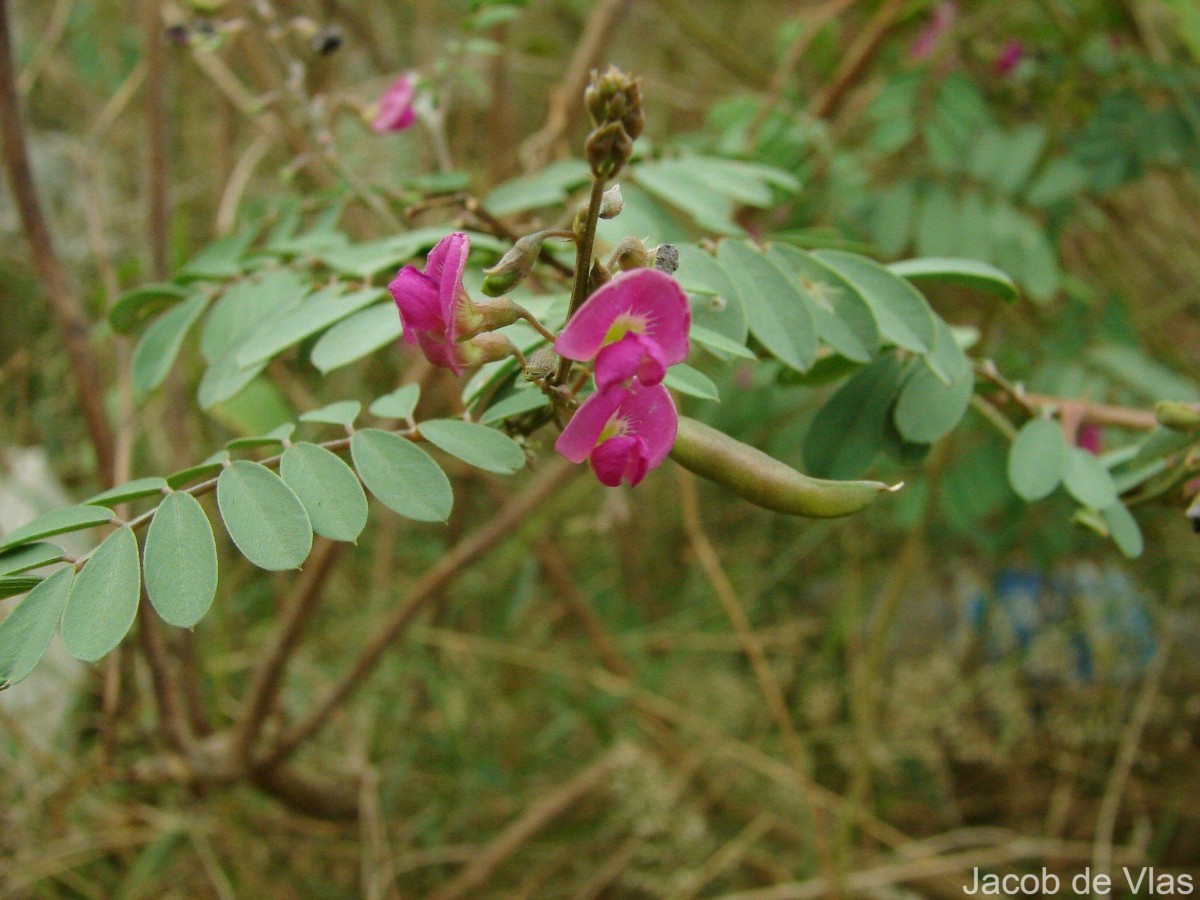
(764, 480)
(1177, 416)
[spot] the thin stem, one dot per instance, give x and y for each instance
(541, 329)
(68, 313)
(768, 685)
(268, 674)
(583, 264)
(159, 212)
(442, 573)
(171, 717)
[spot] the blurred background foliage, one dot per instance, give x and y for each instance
(965, 672)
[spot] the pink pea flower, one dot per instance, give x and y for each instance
(396, 105)
(1010, 57)
(435, 310)
(634, 326)
(624, 431)
(939, 23)
(1089, 438)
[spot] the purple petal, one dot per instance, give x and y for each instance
(646, 301)
(441, 352)
(416, 298)
(621, 457)
(395, 106)
(445, 265)
(633, 356)
(580, 436)
(649, 413)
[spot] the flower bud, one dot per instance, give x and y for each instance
(514, 266)
(612, 203)
(615, 97)
(496, 313)
(542, 363)
(608, 148)
(630, 253)
(1177, 416)
(600, 275)
(487, 348)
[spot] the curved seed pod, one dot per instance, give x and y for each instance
(1177, 416)
(764, 480)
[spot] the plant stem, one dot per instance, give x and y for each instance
(504, 525)
(583, 265)
(68, 313)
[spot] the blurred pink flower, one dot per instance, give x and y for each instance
(434, 307)
(939, 23)
(624, 431)
(396, 105)
(1090, 438)
(634, 326)
(1010, 57)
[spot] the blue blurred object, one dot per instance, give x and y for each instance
(1083, 623)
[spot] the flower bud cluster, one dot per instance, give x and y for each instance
(614, 101)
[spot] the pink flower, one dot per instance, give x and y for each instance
(1010, 57)
(1089, 438)
(624, 431)
(635, 326)
(435, 310)
(939, 23)
(396, 105)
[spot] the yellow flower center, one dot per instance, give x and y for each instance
(622, 325)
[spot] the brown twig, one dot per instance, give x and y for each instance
(173, 725)
(567, 99)
(67, 311)
(159, 212)
(268, 674)
(715, 42)
(791, 59)
(1127, 756)
(768, 685)
(1087, 412)
(437, 577)
(539, 814)
(856, 59)
(558, 571)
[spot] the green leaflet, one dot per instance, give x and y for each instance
(965, 273)
(180, 560)
(779, 317)
(58, 521)
(902, 314)
(399, 404)
(1036, 459)
(130, 490)
(693, 382)
(157, 348)
(401, 475)
(328, 488)
(26, 632)
(356, 336)
(344, 412)
(478, 445)
(848, 432)
(104, 598)
(263, 516)
(30, 556)
(1087, 480)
